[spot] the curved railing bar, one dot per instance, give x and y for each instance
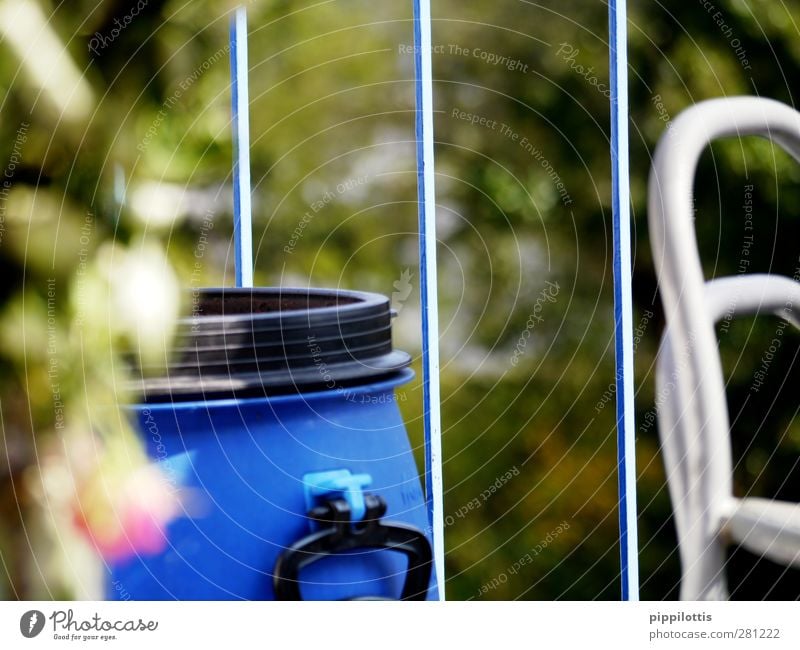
(766, 527)
(677, 259)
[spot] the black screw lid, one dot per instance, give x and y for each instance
(245, 342)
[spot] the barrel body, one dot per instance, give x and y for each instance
(245, 461)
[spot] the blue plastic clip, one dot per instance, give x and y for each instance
(337, 482)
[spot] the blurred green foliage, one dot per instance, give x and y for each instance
(519, 109)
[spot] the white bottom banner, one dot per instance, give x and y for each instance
(357, 625)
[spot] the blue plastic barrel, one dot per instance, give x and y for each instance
(259, 464)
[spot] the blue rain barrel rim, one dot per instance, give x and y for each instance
(397, 379)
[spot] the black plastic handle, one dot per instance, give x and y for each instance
(341, 535)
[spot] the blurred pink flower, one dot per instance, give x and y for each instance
(127, 517)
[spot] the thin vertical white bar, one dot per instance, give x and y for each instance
(623, 302)
(428, 280)
(240, 103)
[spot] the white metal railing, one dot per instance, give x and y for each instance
(693, 418)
